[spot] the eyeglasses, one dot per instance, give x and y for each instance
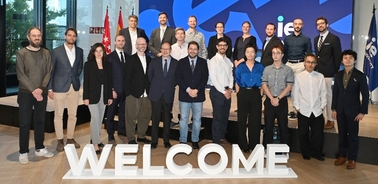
(311, 63)
(222, 45)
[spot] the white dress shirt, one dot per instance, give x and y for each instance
(71, 54)
(309, 93)
(144, 65)
(179, 52)
(220, 72)
(133, 37)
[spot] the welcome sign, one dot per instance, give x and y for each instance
(253, 166)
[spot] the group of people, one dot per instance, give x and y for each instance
(140, 88)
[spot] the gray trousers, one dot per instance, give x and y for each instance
(138, 110)
(97, 115)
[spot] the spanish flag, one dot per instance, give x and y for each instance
(120, 21)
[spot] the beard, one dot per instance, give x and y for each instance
(35, 44)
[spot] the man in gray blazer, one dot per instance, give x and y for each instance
(67, 65)
(160, 35)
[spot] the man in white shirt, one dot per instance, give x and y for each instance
(221, 76)
(309, 100)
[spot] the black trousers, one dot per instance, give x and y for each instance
(348, 135)
(221, 112)
(119, 104)
(311, 145)
(249, 109)
(270, 114)
(160, 107)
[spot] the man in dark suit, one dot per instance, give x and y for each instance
(136, 87)
(162, 77)
(212, 46)
(131, 34)
(117, 59)
(160, 35)
(270, 41)
(347, 108)
(191, 75)
(67, 65)
(328, 51)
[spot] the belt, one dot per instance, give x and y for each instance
(295, 61)
(250, 87)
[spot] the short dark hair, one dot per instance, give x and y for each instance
(163, 13)
(179, 29)
(250, 45)
(310, 55)
(274, 26)
(70, 29)
(193, 17)
(164, 43)
(220, 22)
(321, 18)
(133, 16)
(221, 39)
(91, 55)
(246, 22)
(350, 52)
(278, 47)
(193, 43)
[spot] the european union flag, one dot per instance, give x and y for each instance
(371, 55)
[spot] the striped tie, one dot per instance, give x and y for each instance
(320, 43)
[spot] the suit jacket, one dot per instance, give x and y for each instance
(212, 46)
(125, 32)
(252, 40)
(118, 71)
(63, 74)
(160, 84)
(329, 56)
(348, 100)
(136, 81)
(196, 80)
(266, 56)
(154, 44)
(92, 86)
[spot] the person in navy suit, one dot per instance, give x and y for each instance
(163, 33)
(270, 41)
(191, 75)
(64, 85)
(347, 108)
(117, 59)
(131, 34)
(161, 74)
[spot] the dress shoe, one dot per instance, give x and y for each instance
(144, 140)
(167, 145)
(72, 141)
(319, 158)
(340, 161)
(328, 125)
(153, 145)
(111, 138)
(224, 141)
(100, 145)
(60, 146)
(246, 150)
(195, 145)
(173, 124)
(98, 151)
(132, 142)
(306, 157)
(351, 164)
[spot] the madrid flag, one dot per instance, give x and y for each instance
(106, 34)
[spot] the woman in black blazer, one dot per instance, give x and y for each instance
(241, 42)
(97, 90)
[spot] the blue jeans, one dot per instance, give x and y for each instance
(184, 119)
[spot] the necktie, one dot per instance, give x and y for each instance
(320, 43)
(192, 66)
(162, 30)
(122, 60)
(165, 70)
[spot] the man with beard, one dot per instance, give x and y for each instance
(296, 46)
(33, 67)
(328, 51)
(270, 41)
(222, 80)
(160, 35)
(191, 75)
(131, 34)
(67, 65)
(193, 35)
(136, 87)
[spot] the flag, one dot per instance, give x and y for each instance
(120, 21)
(106, 34)
(371, 55)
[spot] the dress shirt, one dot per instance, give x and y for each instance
(346, 77)
(190, 64)
(119, 54)
(200, 39)
(144, 65)
(277, 78)
(296, 47)
(324, 36)
(267, 39)
(71, 54)
(162, 31)
(220, 72)
(246, 78)
(133, 37)
(309, 93)
(179, 52)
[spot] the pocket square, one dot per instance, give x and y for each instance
(326, 43)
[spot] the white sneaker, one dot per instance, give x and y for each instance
(43, 153)
(23, 158)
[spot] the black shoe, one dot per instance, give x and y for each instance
(173, 124)
(121, 133)
(153, 145)
(246, 150)
(195, 145)
(292, 115)
(167, 145)
(319, 158)
(100, 145)
(98, 151)
(111, 138)
(306, 157)
(132, 142)
(144, 140)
